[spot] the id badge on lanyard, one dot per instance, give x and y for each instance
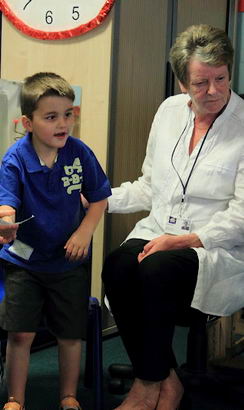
(178, 225)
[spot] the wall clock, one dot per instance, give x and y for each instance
(56, 19)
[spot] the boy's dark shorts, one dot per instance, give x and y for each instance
(60, 298)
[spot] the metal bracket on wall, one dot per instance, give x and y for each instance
(231, 26)
(171, 35)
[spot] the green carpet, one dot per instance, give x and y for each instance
(42, 387)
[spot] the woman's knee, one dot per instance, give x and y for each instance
(109, 265)
(158, 267)
(168, 268)
(118, 265)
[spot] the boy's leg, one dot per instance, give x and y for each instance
(20, 315)
(66, 314)
(69, 366)
(17, 364)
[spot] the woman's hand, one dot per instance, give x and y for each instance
(169, 242)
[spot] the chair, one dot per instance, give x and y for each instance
(226, 341)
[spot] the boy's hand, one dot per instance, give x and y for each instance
(7, 232)
(78, 244)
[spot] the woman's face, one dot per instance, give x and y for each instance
(208, 87)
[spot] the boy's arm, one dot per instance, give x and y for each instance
(7, 232)
(78, 244)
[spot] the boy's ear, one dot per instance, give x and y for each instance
(27, 123)
(76, 110)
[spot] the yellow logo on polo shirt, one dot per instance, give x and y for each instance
(73, 180)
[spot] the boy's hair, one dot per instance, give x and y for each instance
(40, 85)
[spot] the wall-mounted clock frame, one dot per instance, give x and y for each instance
(58, 19)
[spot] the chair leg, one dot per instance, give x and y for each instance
(94, 365)
(197, 347)
(197, 351)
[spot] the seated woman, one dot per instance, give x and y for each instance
(189, 251)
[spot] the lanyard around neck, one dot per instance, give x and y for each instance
(184, 186)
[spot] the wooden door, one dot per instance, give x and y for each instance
(137, 89)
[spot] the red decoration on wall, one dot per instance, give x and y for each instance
(58, 35)
(241, 6)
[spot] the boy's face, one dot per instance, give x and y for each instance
(51, 123)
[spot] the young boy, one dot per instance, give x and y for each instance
(44, 174)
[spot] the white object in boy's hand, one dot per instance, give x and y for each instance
(2, 222)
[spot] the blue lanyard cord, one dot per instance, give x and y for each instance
(184, 186)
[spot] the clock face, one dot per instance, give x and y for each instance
(56, 19)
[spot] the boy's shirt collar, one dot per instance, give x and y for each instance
(43, 163)
(29, 155)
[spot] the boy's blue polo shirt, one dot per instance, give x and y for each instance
(52, 195)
